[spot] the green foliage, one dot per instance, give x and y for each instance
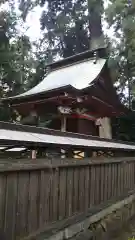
(120, 15)
(16, 61)
(65, 27)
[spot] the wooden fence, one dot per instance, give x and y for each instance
(33, 194)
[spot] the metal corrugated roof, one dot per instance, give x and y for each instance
(29, 137)
(79, 75)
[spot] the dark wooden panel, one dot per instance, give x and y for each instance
(55, 193)
(113, 179)
(132, 167)
(33, 201)
(92, 186)
(87, 188)
(126, 170)
(10, 208)
(106, 182)
(62, 193)
(102, 182)
(50, 204)
(132, 175)
(3, 180)
(109, 182)
(69, 198)
(76, 190)
(90, 173)
(87, 127)
(134, 172)
(97, 185)
(44, 196)
(22, 204)
(128, 175)
(81, 188)
(122, 179)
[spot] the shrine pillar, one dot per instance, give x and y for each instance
(105, 130)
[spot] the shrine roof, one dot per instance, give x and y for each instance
(78, 71)
(19, 137)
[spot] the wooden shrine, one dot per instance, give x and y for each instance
(76, 95)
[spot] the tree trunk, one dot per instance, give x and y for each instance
(95, 9)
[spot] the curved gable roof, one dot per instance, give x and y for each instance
(78, 75)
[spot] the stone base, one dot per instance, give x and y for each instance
(99, 224)
(109, 226)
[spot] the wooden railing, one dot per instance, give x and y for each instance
(35, 194)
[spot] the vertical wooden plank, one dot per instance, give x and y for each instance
(90, 172)
(124, 178)
(44, 194)
(33, 201)
(106, 182)
(92, 185)
(126, 169)
(126, 166)
(51, 197)
(55, 194)
(10, 208)
(76, 190)
(3, 179)
(120, 177)
(22, 204)
(87, 188)
(109, 181)
(81, 189)
(119, 183)
(113, 179)
(97, 186)
(102, 179)
(132, 176)
(128, 175)
(134, 172)
(69, 198)
(62, 193)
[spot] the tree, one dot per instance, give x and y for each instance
(66, 27)
(16, 62)
(65, 32)
(95, 11)
(120, 15)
